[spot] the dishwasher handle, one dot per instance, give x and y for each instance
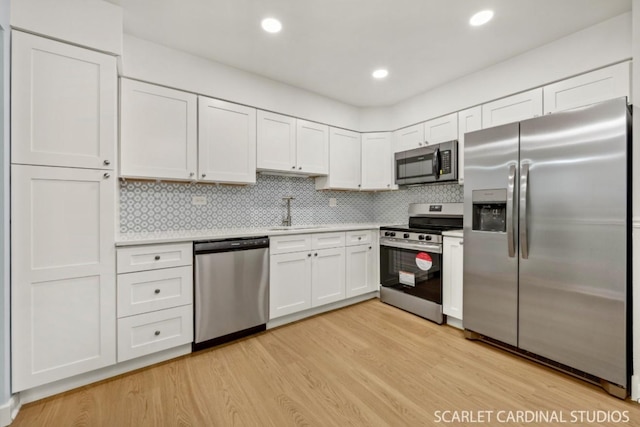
(228, 245)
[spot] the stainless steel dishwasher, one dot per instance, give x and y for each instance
(231, 289)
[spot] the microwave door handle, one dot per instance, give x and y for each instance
(437, 163)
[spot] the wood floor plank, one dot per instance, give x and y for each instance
(365, 365)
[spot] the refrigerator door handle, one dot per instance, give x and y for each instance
(511, 238)
(524, 188)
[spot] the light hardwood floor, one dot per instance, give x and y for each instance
(365, 365)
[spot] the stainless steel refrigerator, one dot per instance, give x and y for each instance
(547, 239)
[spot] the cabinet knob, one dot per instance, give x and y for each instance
(420, 144)
(293, 167)
(106, 162)
(106, 175)
(191, 174)
(308, 254)
(157, 291)
(316, 254)
(204, 174)
(299, 168)
(369, 247)
(156, 333)
(359, 238)
(461, 242)
(359, 185)
(388, 185)
(157, 257)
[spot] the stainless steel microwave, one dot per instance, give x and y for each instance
(433, 163)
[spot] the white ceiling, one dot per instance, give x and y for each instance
(331, 46)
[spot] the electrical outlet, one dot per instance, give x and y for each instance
(333, 202)
(198, 200)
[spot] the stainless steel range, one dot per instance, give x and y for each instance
(411, 259)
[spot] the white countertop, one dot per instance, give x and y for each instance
(127, 239)
(453, 233)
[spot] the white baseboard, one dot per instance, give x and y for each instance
(9, 410)
(37, 393)
(318, 310)
(635, 388)
(456, 323)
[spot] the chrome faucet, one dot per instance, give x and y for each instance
(287, 220)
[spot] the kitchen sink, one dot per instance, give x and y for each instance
(297, 227)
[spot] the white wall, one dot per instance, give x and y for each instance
(594, 47)
(5, 353)
(635, 306)
(154, 63)
(93, 23)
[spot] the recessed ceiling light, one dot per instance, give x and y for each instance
(380, 74)
(271, 25)
(481, 18)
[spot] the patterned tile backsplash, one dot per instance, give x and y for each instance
(151, 206)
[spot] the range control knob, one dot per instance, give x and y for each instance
(406, 235)
(421, 237)
(392, 233)
(427, 237)
(387, 233)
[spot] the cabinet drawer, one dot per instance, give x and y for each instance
(288, 244)
(141, 258)
(153, 290)
(327, 240)
(152, 332)
(360, 237)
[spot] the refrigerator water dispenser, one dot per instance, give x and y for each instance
(489, 210)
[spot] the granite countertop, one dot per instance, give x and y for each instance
(453, 233)
(127, 239)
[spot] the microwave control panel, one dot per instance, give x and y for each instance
(446, 162)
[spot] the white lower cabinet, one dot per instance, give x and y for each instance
(452, 259)
(63, 282)
(327, 276)
(289, 283)
(155, 298)
(361, 270)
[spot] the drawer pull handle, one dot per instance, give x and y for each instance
(106, 163)
(157, 257)
(156, 333)
(157, 291)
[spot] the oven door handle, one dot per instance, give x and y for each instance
(437, 249)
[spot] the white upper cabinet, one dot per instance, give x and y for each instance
(377, 161)
(468, 121)
(522, 106)
(344, 161)
(442, 129)
(63, 108)
(312, 148)
(589, 88)
(276, 142)
(158, 132)
(63, 291)
(226, 142)
(292, 146)
(408, 138)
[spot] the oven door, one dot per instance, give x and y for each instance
(412, 269)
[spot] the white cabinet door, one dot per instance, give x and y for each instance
(63, 290)
(600, 85)
(377, 161)
(442, 129)
(452, 259)
(276, 142)
(328, 276)
(344, 161)
(468, 121)
(289, 283)
(158, 132)
(312, 148)
(226, 142)
(63, 104)
(361, 266)
(408, 138)
(513, 108)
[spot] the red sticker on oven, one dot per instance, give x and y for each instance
(424, 261)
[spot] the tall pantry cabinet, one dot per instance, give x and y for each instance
(64, 130)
